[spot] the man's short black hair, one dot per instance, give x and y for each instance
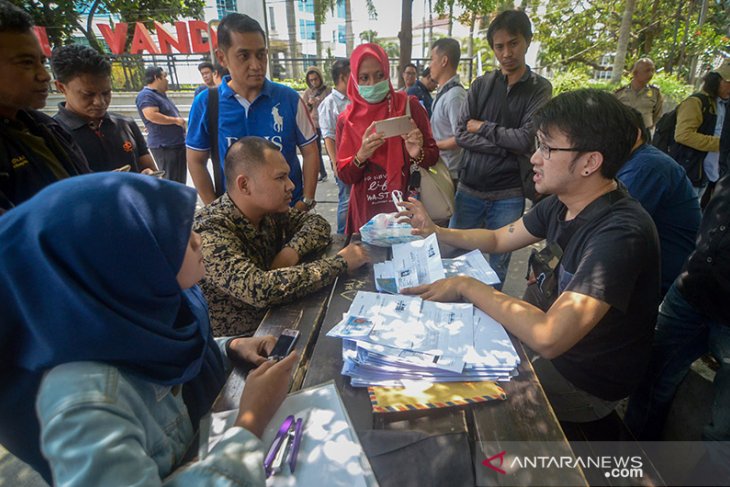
(339, 68)
(220, 70)
(593, 120)
(74, 60)
(151, 74)
(408, 65)
(513, 21)
(236, 22)
(638, 121)
(245, 154)
(426, 72)
(14, 19)
(205, 64)
(450, 48)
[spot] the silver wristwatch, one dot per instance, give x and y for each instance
(309, 203)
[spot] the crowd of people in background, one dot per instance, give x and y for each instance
(100, 272)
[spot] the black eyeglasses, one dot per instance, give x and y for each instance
(545, 150)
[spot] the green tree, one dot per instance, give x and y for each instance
(368, 36)
(59, 22)
(391, 48)
(322, 7)
(669, 31)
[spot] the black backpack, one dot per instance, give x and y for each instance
(687, 157)
(663, 138)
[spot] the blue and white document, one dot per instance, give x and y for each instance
(420, 262)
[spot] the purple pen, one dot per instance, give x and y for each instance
(276, 444)
(295, 445)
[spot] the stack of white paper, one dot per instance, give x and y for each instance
(388, 338)
(417, 263)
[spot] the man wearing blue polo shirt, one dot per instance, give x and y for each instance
(250, 104)
(165, 127)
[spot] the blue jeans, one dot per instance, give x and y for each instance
(683, 334)
(473, 212)
(343, 203)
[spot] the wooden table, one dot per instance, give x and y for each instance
(526, 416)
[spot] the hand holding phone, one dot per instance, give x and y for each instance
(284, 345)
(393, 127)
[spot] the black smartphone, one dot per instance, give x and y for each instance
(284, 345)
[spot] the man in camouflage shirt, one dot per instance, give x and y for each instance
(253, 242)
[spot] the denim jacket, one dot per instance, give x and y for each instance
(103, 426)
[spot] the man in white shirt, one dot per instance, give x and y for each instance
(445, 55)
(329, 110)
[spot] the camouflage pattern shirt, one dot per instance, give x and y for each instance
(239, 284)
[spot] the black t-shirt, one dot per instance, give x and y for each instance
(115, 143)
(613, 256)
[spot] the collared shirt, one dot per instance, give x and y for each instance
(239, 282)
(661, 186)
(420, 91)
(711, 164)
(160, 135)
(445, 119)
(277, 114)
(648, 101)
(199, 89)
(117, 141)
(329, 110)
(141, 428)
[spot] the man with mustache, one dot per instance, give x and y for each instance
(35, 151)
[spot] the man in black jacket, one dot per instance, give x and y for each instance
(694, 319)
(34, 150)
(497, 134)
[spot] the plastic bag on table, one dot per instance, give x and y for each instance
(383, 230)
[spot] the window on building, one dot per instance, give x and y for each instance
(306, 6)
(341, 37)
(306, 30)
(272, 18)
(225, 7)
(341, 9)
